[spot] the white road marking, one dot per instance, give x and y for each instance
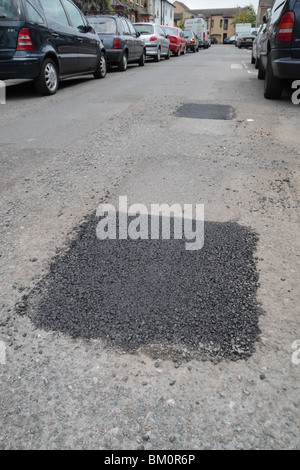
(236, 67)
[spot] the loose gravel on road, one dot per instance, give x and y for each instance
(134, 293)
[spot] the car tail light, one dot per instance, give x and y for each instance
(117, 43)
(192, 40)
(204, 36)
(286, 27)
(153, 38)
(24, 41)
(172, 38)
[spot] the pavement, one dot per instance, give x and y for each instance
(94, 354)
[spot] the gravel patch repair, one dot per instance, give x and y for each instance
(137, 294)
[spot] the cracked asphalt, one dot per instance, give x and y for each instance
(94, 354)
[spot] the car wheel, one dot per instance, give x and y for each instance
(256, 62)
(157, 57)
(47, 81)
(178, 52)
(142, 59)
(101, 67)
(123, 63)
(194, 49)
(168, 55)
(184, 51)
(261, 72)
(252, 59)
(273, 85)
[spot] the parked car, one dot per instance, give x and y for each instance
(177, 40)
(122, 42)
(207, 41)
(192, 41)
(230, 40)
(156, 43)
(47, 41)
(256, 46)
(280, 47)
(245, 40)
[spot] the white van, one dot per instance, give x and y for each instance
(199, 27)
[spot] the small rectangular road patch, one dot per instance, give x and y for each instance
(205, 111)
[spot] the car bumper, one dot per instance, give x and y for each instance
(151, 50)
(246, 44)
(174, 48)
(19, 67)
(114, 56)
(285, 67)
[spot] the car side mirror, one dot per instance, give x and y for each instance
(89, 29)
(167, 36)
(265, 18)
(138, 34)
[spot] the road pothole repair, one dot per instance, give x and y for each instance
(134, 294)
(206, 111)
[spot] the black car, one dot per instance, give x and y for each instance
(47, 41)
(192, 40)
(280, 47)
(122, 42)
(245, 40)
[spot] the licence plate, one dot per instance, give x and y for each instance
(249, 40)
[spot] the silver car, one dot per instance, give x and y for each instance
(156, 42)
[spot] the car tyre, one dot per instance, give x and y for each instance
(47, 81)
(168, 55)
(261, 72)
(273, 85)
(101, 67)
(142, 59)
(123, 63)
(157, 57)
(252, 59)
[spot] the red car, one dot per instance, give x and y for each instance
(177, 40)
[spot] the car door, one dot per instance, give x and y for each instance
(138, 44)
(62, 36)
(165, 44)
(87, 42)
(128, 40)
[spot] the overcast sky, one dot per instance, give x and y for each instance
(206, 4)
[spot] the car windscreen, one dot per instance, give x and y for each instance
(11, 10)
(188, 34)
(170, 31)
(103, 25)
(144, 28)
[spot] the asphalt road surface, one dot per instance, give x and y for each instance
(142, 344)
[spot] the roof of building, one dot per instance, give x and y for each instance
(225, 12)
(183, 5)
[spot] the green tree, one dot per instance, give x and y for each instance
(246, 15)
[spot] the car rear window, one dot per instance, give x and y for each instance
(171, 31)
(144, 29)
(103, 25)
(188, 34)
(11, 10)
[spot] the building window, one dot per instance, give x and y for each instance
(225, 24)
(221, 23)
(212, 23)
